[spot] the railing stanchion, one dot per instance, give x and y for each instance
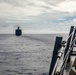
(55, 52)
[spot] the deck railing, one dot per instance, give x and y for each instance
(62, 52)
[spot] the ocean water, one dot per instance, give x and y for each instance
(28, 54)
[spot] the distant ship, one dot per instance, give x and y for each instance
(18, 32)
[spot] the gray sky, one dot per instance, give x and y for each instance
(37, 16)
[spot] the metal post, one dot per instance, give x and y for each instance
(57, 46)
(68, 42)
(73, 37)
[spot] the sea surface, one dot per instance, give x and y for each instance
(28, 54)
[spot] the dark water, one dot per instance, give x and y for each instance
(26, 55)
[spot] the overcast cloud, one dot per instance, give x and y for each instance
(37, 16)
